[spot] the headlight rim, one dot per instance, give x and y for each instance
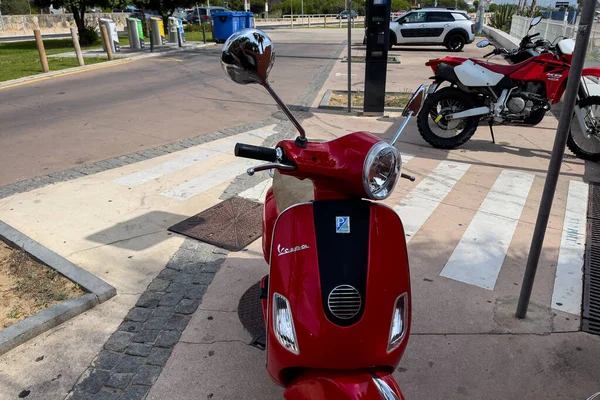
(368, 163)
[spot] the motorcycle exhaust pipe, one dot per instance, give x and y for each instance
(466, 114)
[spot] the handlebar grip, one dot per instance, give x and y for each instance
(534, 35)
(255, 152)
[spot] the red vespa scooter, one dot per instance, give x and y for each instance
(337, 299)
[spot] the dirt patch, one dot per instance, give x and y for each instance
(27, 287)
(398, 100)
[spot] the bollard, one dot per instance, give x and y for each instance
(309, 21)
(179, 37)
(340, 22)
(41, 50)
(107, 43)
(151, 42)
(77, 47)
(204, 32)
(325, 21)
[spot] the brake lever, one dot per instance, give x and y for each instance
(266, 166)
(406, 176)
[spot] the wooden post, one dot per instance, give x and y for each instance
(340, 22)
(77, 47)
(41, 50)
(106, 42)
(325, 21)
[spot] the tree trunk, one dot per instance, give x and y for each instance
(80, 22)
(165, 18)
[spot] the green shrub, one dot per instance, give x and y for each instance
(502, 18)
(88, 36)
(197, 28)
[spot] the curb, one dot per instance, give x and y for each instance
(324, 104)
(122, 60)
(99, 292)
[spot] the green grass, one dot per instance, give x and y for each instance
(21, 59)
(197, 37)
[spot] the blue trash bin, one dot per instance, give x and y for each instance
(225, 24)
(249, 20)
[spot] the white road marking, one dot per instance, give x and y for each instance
(406, 157)
(258, 192)
(422, 201)
(480, 253)
(208, 180)
(568, 284)
(187, 160)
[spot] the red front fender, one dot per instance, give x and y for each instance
(591, 72)
(327, 385)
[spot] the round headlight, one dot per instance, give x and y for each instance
(381, 170)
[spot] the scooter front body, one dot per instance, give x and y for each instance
(342, 268)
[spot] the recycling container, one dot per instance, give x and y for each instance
(176, 28)
(140, 30)
(158, 31)
(113, 37)
(133, 33)
(225, 24)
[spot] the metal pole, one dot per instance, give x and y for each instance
(77, 47)
(204, 32)
(564, 124)
(292, 13)
(349, 57)
(151, 42)
(1, 20)
(198, 12)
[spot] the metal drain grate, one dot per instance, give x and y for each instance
(591, 276)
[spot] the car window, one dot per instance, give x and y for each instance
(460, 17)
(437, 16)
(413, 17)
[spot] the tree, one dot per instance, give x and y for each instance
(398, 5)
(15, 7)
(165, 8)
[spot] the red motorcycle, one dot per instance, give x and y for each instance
(336, 303)
(518, 94)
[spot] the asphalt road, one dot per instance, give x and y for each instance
(56, 124)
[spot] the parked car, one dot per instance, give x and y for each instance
(205, 14)
(433, 26)
(344, 15)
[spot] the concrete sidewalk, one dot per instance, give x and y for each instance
(173, 331)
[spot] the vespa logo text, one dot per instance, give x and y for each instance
(282, 250)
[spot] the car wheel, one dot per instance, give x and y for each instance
(455, 42)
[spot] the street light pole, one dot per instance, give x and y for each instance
(560, 140)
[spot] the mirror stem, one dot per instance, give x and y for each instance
(402, 126)
(288, 113)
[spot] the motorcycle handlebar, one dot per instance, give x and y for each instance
(534, 35)
(255, 152)
(489, 54)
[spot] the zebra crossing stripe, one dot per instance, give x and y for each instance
(208, 180)
(480, 253)
(568, 284)
(406, 157)
(187, 160)
(422, 201)
(258, 192)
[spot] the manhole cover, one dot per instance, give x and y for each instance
(232, 224)
(251, 315)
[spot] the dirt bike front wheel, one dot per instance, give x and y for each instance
(439, 132)
(585, 143)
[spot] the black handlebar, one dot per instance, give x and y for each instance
(255, 152)
(534, 35)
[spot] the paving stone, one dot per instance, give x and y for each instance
(94, 381)
(106, 360)
(129, 364)
(177, 322)
(146, 375)
(203, 278)
(131, 326)
(104, 395)
(159, 356)
(146, 336)
(119, 341)
(138, 314)
(168, 274)
(195, 291)
(155, 323)
(177, 287)
(163, 312)
(213, 266)
(187, 306)
(171, 299)
(119, 381)
(135, 393)
(167, 339)
(184, 278)
(149, 300)
(159, 285)
(139, 349)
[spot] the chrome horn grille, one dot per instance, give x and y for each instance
(344, 301)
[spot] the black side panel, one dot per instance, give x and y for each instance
(505, 83)
(343, 257)
(446, 72)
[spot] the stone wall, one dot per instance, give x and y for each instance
(23, 25)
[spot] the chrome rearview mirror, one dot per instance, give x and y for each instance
(412, 108)
(535, 21)
(247, 57)
(415, 103)
(483, 43)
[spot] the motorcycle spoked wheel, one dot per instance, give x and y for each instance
(586, 145)
(446, 134)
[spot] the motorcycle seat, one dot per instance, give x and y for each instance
(501, 68)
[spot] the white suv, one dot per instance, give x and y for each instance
(433, 26)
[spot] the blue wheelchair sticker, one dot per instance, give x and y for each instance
(342, 224)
